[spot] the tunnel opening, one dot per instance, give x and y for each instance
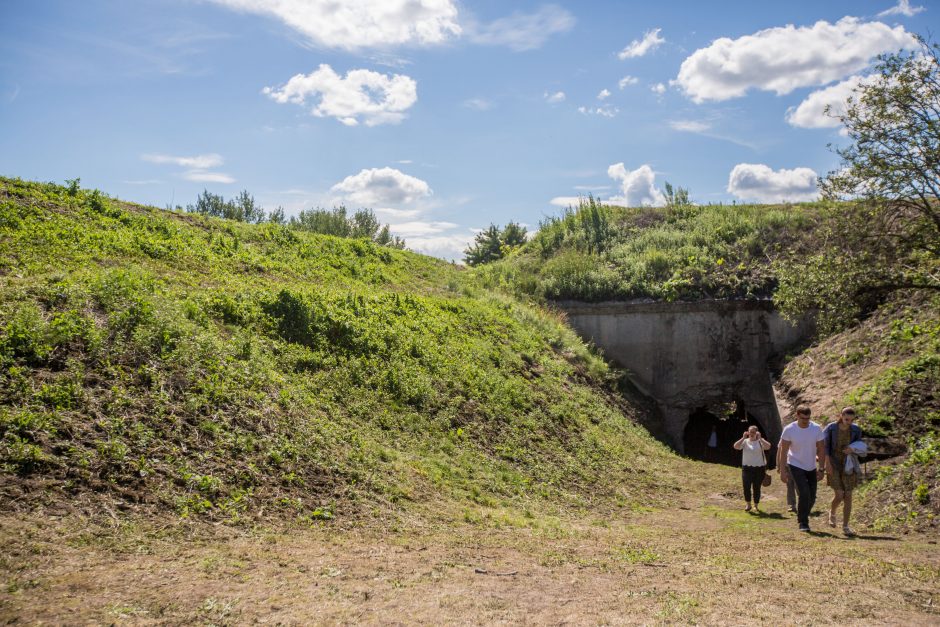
(729, 421)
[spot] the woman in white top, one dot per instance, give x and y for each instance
(753, 464)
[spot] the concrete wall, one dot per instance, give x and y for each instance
(690, 355)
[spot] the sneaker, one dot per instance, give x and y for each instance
(791, 508)
(756, 507)
(848, 531)
(747, 508)
(804, 528)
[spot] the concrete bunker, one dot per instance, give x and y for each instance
(694, 357)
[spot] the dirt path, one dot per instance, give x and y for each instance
(704, 561)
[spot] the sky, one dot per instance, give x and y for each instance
(442, 116)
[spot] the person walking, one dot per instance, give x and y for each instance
(838, 436)
(711, 450)
(802, 446)
(753, 464)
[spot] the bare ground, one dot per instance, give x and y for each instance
(703, 561)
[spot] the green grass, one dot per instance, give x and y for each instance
(223, 369)
(598, 252)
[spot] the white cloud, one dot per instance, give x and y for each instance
(639, 47)
(784, 58)
(605, 111)
(398, 213)
(904, 8)
(604, 94)
(420, 228)
(689, 126)
(356, 24)
(811, 113)
(659, 89)
(757, 182)
(636, 186)
(591, 188)
(204, 176)
(444, 246)
(478, 104)
(197, 162)
(522, 31)
(198, 166)
(381, 187)
(558, 96)
(627, 80)
(566, 201)
(376, 98)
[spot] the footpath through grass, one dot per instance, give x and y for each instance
(700, 559)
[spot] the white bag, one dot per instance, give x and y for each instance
(851, 465)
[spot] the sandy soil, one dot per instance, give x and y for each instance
(705, 561)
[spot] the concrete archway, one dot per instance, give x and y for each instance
(690, 355)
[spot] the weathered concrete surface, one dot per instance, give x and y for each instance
(690, 355)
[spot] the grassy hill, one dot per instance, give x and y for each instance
(687, 252)
(152, 359)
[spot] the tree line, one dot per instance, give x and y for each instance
(361, 224)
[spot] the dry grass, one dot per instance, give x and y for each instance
(702, 561)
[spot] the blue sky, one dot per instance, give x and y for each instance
(442, 116)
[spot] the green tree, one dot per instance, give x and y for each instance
(887, 237)
(486, 247)
(495, 243)
(277, 216)
(676, 197)
(362, 224)
(513, 235)
(244, 208)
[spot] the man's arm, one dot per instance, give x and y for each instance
(822, 459)
(782, 450)
(827, 435)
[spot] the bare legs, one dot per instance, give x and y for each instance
(844, 499)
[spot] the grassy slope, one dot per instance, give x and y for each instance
(888, 367)
(162, 360)
(601, 253)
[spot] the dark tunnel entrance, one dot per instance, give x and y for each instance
(730, 421)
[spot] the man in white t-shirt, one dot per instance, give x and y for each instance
(801, 458)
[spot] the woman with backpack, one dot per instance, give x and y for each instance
(753, 464)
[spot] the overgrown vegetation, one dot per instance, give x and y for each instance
(221, 368)
(598, 252)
